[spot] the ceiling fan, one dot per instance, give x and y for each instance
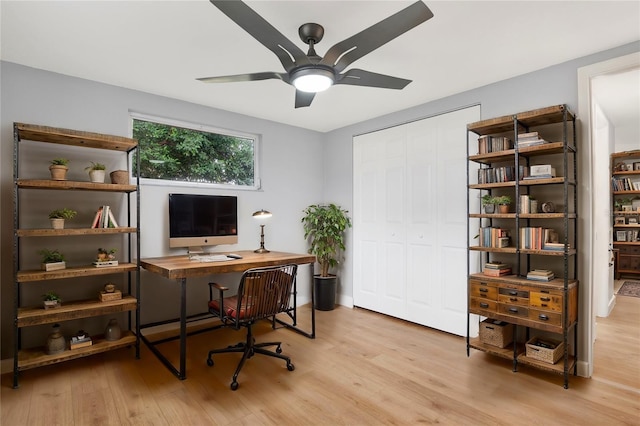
(310, 73)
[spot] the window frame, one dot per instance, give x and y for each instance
(203, 128)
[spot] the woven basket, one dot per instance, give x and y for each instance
(120, 177)
(496, 333)
(547, 355)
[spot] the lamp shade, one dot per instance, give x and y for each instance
(261, 214)
(313, 79)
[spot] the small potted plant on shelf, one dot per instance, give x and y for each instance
(51, 300)
(488, 203)
(503, 203)
(52, 260)
(58, 168)
(106, 257)
(59, 215)
(324, 226)
(96, 172)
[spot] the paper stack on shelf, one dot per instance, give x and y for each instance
(540, 275)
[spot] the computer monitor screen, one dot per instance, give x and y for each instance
(202, 220)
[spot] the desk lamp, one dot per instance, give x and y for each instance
(262, 215)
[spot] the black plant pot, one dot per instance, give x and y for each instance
(325, 292)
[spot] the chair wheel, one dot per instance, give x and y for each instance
(279, 349)
(234, 386)
(291, 367)
(209, 362)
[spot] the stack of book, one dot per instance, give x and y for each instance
(540, 275)
(496, 269)
(494, 237)
(487, 144)
(530, 139)
(554, 246)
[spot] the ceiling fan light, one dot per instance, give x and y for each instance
(312, 80)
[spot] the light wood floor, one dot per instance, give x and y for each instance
(363, 369)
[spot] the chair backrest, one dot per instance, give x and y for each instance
(265, 292)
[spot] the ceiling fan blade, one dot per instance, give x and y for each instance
(347, 51)
(357, 77)
(246, 77)
(289, 54)
(304, 99)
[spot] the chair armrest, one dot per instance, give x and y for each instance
(218, 286)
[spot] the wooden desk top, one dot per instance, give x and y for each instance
(176, 267)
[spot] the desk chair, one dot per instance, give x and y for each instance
(263, 293)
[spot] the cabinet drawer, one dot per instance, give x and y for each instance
(513, 296)
(629, 250)
(483, 304)
(545, 317)
(483, 290)
(546, 301)
(513, 310)
(628, 262)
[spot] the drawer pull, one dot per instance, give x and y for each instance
(484, 290)
(544, 305)
(543, 317)
(514, 310)
(545, 299)
(513, 293)
(484, 305)
(513, 299)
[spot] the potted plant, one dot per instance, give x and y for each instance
(59, 215)
(488, 202)
(58, 168)
(503, 202)
(324, 227)
(51, 300)
(52, 260)
(96, 172)
(105, 255)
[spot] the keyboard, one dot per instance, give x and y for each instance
(210, 258)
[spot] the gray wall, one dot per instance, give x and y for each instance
(290, 182)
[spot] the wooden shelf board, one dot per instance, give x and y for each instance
(81, 271)
(537, 117)
(73, 185)
(626, 243)
(492, 185)
(558, 367)
(30, 316)
(618, 212)
(494, 215)
(632, 226)
(506, 353)
(546, 181)
(47, 232)
(62, 136)
(494, 157)
(627, 173)
(494, 249)
(626, 154)
(555, 284)
(544, 149)
(523, 215)
(571, 252)
(36, 357)
(626, 192)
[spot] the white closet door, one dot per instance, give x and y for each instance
(410, 221)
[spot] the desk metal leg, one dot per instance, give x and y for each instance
(294, 317)
(182, 373)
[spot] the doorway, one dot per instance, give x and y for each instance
(595, 223)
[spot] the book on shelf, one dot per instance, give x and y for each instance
(540, 275)
(494, 237)
(496, 272)
(104, 218)
(488, 144)
(496, 265)
(554, 246)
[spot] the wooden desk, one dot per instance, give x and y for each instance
(180, 268)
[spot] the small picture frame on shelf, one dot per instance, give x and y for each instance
(618, 220)
(621, 235)
(636, 166)
(632, 220)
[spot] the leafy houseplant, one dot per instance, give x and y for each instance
(51, 300)
(52, 260)
(59, 215)
(489, 203)
(96, 172)
(105, 255)
(58, 168)
(324, 226)
(503, 203)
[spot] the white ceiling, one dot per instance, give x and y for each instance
(161, 47)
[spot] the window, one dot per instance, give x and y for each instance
(189, 153)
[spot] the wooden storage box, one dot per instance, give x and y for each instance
(538, 348)
(105, 297)
(496, 333)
